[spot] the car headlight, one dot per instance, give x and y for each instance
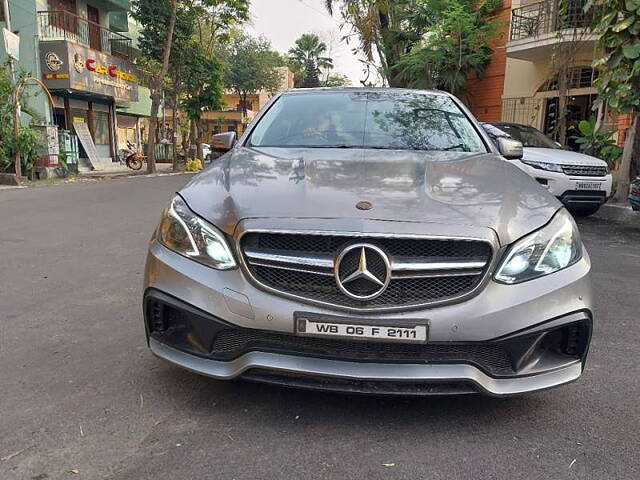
(555, 246)
(185, 233)
(550, 167)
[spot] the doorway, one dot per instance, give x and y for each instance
(93, 15)
(578, 109)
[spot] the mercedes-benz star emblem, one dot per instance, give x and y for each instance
(362, 271)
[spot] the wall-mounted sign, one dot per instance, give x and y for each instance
(88, 71)
(52, 61)
(78, 62)
(11, 44)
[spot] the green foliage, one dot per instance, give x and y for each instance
(596, 142)
(203, 84)
(308, 59)
(153, 17)
(336, 80)
(422, 43)
(618, 22)
(28, 139)
(251, 66)
(453, 47)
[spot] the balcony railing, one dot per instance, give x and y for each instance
(63, 25)
(548, 17)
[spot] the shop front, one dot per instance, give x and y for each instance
(87, 87)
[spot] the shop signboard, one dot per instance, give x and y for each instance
(68, 66)
(84, 135)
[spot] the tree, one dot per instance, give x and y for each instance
(618, 22)
(158, 21)
(386, 30)
(308, 54)
(28, 139)
(391, 30)
(251, 66)
(336, 80)
(193, 77)
(454, 46)
(204, 91)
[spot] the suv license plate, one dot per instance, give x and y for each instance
(588, 185)
(314, 328)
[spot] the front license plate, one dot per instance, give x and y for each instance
(317, 328)
(588, 185)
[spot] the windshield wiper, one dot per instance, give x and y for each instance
(459, 145)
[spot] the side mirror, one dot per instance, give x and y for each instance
(223, 142)
(509, 148)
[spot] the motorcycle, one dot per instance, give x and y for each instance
(130, 157)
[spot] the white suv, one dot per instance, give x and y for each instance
(581, 182)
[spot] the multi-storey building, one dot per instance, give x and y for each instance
(81, 51)
(521, 84)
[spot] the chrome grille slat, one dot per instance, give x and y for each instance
(424, 264)
(280, 256)
(424, 271)
(259, 263)
(585, 170)
(429, 274)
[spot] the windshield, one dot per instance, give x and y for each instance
(385, 120)
(529, 136)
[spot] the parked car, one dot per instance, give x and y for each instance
(370, 241)
(206, 152)
(581, 182)
(634, 194)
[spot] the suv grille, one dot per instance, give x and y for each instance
(423, 271)
(584, 170)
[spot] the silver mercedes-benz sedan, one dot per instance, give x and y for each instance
(370, 241)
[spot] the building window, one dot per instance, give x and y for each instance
(581, 77)
(101, 128)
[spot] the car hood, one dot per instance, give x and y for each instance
(562, 157)
(453, 189)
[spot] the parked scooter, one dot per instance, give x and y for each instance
(130, 157)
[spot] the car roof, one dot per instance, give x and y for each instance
(302, 91)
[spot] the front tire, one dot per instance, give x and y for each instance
(134, 164)
(635, 208)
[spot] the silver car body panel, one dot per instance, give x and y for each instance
(368, 371)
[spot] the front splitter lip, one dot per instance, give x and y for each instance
(427, 373)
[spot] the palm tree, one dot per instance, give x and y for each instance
(308, 52)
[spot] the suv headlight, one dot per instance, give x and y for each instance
(555, 246)
(550, 167)
(185, 233)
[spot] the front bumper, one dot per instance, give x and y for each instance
(567, 187)
(528, 321)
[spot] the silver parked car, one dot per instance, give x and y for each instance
(371, 241)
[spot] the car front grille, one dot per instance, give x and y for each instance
(490, 357)
(585, 170)
(424, 271)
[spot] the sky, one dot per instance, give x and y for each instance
(283, 21)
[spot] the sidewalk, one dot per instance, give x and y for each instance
(118, 170)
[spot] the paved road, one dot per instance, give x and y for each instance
(79, 392)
